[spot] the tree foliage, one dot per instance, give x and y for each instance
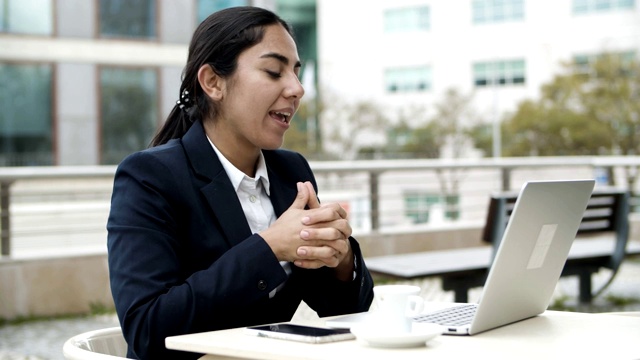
(448, 129)
(353, 127)
(588, 110)
(299, 137)
(419, 141)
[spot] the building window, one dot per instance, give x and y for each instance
(208, 7)
(499, 73)
(595, 6)
(407, 19)
(128, 19)
(25, 118)
(422, 207)
(497, 11)
(128, 109)
(407, 79)
(583, 64)
(26, 17)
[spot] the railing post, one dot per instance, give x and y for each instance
(5, 218)
(506, 179)
(374, 195)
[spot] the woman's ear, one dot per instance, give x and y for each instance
(210, 82)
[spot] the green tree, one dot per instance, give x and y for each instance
(612, 95)
(352, 127)
(298, 137)
(421, 141)
(448, 129)
(586, 110)
(539, 130)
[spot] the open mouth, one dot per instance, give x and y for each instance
(285, 117)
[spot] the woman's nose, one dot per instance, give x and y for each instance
(294, 88)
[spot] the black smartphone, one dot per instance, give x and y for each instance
(308, 334)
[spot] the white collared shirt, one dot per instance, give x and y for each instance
(253, 194)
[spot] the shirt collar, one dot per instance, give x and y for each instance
(236, 176)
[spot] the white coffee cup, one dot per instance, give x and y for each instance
(396, 305)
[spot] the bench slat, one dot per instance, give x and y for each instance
(456, 261)
(601, 242)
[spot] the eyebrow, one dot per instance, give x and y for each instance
(283, 59)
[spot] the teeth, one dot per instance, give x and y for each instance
(286, 115)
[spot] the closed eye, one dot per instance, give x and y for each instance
(274, 74)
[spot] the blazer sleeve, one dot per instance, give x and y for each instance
(329, 296)
(158, 292)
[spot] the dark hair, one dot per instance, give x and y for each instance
(217, 41)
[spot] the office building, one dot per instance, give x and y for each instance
(86, 82)
(404, 53)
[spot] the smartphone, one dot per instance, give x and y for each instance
(308, 334)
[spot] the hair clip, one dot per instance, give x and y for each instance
(185, 102)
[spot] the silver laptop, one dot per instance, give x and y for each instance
(529, 260)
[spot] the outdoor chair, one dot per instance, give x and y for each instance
(103, 344)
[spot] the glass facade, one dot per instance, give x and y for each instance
(128, 111)
(497, 11)
(584, 62)
(499, 73)
(33, 17)
(407, 19)
(26, 129)
(127, 19)
(595, 6)
(207, 7)
(409, 79)
(430, 207)
(301, 16)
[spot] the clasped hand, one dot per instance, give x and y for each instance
(312, 235)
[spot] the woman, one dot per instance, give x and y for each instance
(213, 227)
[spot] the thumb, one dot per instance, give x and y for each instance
(313, 198)
(302, 198)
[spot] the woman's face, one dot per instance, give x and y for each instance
(260, 98)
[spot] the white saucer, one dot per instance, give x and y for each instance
(377, 337)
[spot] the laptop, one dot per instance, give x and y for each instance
(527, 264)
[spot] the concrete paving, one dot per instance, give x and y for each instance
(43, 340)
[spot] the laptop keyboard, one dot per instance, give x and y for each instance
(455, 316)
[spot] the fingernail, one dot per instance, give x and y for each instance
(305, 220)
(302, 252)
(304, 234)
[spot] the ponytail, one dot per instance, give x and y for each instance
(183, 114)
(177, 124)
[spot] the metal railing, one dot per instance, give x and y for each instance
(49, 209)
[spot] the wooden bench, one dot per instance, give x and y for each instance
(601, 242)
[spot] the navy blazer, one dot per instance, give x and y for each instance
(182, 258)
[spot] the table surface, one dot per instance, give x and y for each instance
(551, 335)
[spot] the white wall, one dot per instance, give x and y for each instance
(76, 117)
(354, 51)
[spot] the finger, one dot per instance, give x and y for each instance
(313, 202)
(315, 257)
(325, 213)
(309, 264)
(338, 209)
(332, 230)
(324, 234)
(302, 198)
(316, 252)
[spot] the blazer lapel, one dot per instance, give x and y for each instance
(217, 188)
(282, 193)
